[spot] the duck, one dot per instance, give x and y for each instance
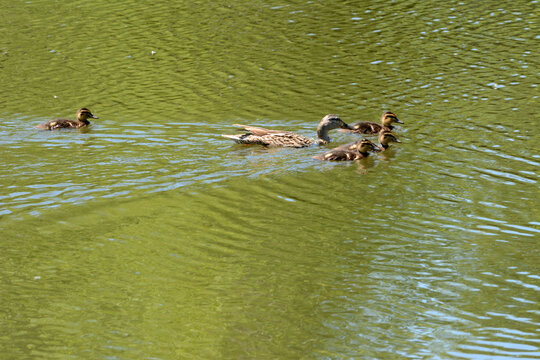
(354, 151)
(82, 120)
(280, 138)
(385, 138)
(366, 127)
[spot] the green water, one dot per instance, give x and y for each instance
(149, 236)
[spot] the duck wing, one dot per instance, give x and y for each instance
(366, 127)
(338, 154)
(259, 131)
(58, 124)
(275, 138)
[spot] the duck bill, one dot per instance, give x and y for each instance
(93, 116)
(399, 121)
(345, 128)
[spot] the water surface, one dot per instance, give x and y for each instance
(150, 236)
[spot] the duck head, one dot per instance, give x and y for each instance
(364, 146)
(329, 122)
(386, 137)
(388, 118)
(84, 113)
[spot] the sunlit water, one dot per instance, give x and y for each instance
(150, 236)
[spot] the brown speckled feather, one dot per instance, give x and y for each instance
(367, 127)
(341, 155)
(280, 138)
(82, 120)
(353, 151)
(60, 124)
(259, 131)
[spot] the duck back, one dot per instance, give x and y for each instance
(367, 127)
(61, 124)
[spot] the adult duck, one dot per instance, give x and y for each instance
(83, 115)
(280, 138)
(353, 151)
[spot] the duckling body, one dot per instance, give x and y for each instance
(82, 120)
(385, 138)
(279, 138)
(367, 127)
(353, 151)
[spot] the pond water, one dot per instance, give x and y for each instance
(149, 236)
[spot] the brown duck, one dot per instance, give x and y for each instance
(385, 138)
(366, 127)
(279, 138)
(82, 120)
(353, 151)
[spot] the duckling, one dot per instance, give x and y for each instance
(279, 138)
(82, 120)
(366, 127)
(385, 138)
(353, 151)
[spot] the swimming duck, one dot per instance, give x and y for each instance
(82, 120)
(385, 138)
(366, 127)
(353, 151)
(261, 136)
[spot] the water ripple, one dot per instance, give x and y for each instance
(150, 224)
